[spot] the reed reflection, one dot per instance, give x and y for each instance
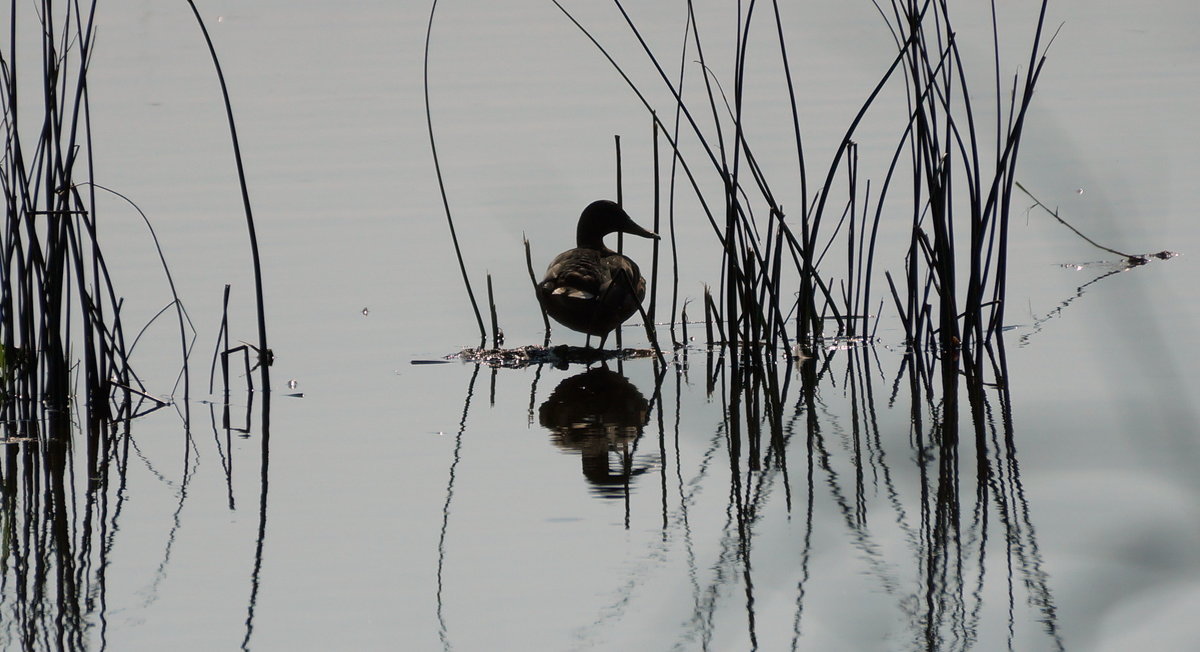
(599, 414)
(61, 509)
(956, 500)
(908, 464)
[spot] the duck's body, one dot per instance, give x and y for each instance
(592, 291)
(591, 288)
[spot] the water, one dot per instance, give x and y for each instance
(429, 507)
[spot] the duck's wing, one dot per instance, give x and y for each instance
(624, 280)
(576, 274)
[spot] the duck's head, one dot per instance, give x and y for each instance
(603, 217)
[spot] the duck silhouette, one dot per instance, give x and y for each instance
(591, 288)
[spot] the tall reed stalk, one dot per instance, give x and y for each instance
(462, 265)
(264, 351)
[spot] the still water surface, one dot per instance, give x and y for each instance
(400, 506)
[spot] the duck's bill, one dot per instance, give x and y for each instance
(631, 227)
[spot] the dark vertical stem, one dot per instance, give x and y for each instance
(654, 259)
(496, 340)
(225, 348)
(675, 159)
(534, 281)
(708, 317)
(684, 336)
(621, 203)
(787, 72)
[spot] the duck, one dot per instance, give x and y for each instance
(591, 288)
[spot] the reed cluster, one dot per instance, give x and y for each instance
(57, 301)
(779, 285)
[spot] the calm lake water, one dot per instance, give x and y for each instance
(425, 507)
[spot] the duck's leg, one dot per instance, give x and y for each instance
(587, 344)
(603, 339)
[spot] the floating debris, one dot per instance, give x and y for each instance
(842, 343)
(560, 356)
(1128, 262)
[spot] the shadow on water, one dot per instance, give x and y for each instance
(941, 522)
(1100, 270)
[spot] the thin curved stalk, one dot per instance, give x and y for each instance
(263, 350)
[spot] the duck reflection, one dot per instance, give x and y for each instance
(597, 413)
